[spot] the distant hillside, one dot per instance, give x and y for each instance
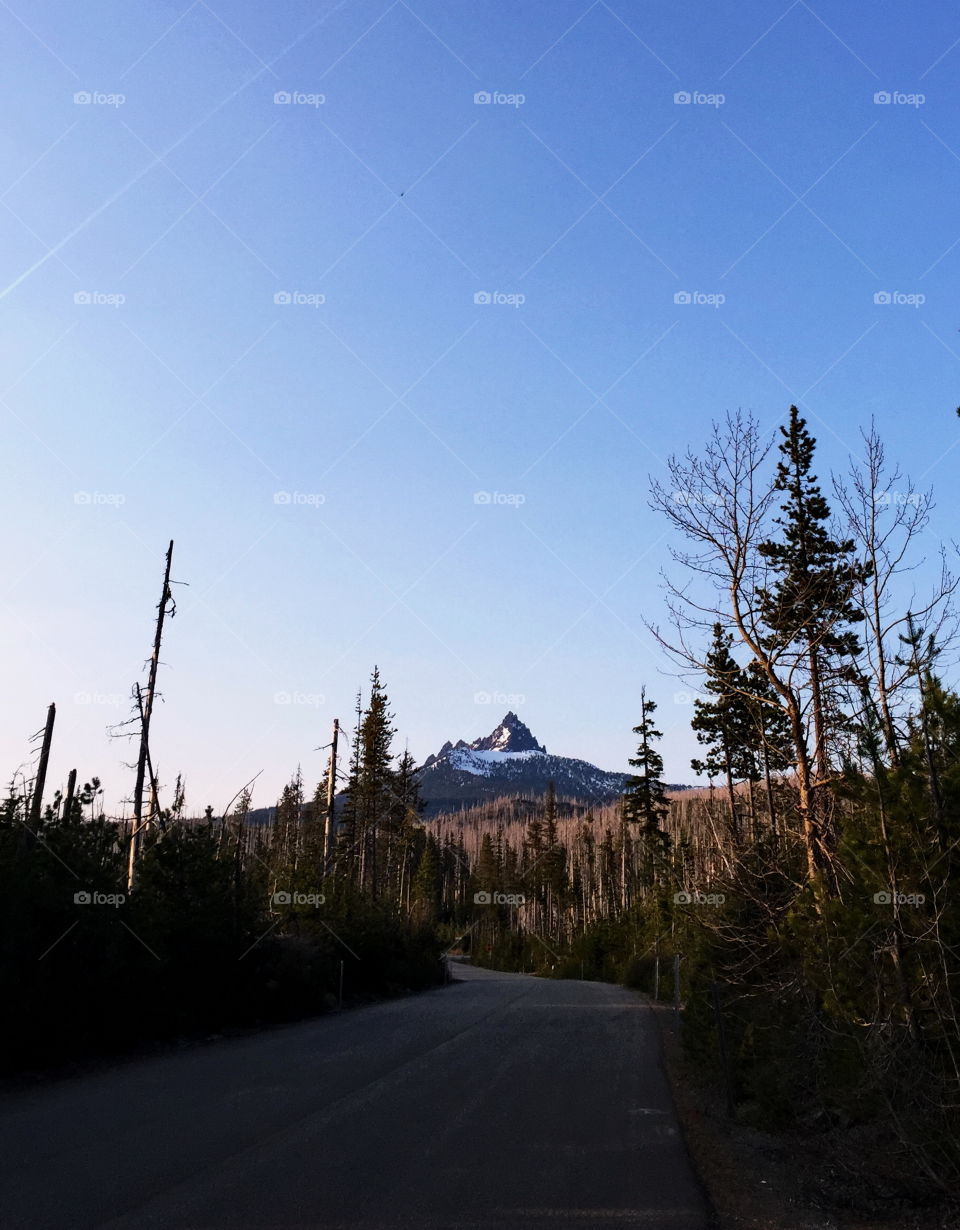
(510, 762)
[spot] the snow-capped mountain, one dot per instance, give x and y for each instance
(509, 761)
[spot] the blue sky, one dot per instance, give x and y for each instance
(317, 461)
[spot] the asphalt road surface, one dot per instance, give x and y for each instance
(500, 1101)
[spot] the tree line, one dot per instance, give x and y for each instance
(806, 897)
(224, 922)
(812, 890)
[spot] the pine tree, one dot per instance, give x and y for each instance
(404, 823)
(811, 603)
(370, 793)
(554, 862)
(645, 801)
(376, 736)
(487, 873)
(285, 846)
(722, 725)
(427, 890)
(808, 610)
(768, 738)
(348, 844)
(533, 843)
(179, 799)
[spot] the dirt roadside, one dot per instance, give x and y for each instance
(792, 1181)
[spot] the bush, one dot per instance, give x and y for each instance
(195, 947)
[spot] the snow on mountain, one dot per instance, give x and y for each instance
(486, 762)
(509, 761)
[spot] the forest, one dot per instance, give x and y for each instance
(800, 910)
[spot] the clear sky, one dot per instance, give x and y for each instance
(157, 200)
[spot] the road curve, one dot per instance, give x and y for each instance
(500, 1101)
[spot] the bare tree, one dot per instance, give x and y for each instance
(165, 607)
(721, 501)
(886, 515)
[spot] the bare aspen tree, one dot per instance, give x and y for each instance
(886, 515)
(721, 502)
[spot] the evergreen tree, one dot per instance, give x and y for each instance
(769, 742)
(554, 862)
(487, 874)
(811, 603)
(644, 801)
(427, 888)
(533, 844)
(723, 725)
(404, 823)
(179, 799)
(346, 854)
(285, 851)
(370, 793)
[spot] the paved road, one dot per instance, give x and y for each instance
(501, 1101)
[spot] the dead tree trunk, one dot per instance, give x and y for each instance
(146, 711)
(67, 811)
(36, 801)
(329, 831)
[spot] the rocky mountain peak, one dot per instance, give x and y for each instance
(512, 735)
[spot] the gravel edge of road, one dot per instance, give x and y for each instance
(753, 1179)
(748, 1189)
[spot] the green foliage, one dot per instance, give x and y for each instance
(722, 725)
(644, 799)
(222, 927)
(428, 883)
(813, 596)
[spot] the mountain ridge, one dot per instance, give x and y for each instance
(509, 761)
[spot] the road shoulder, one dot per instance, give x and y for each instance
(761, 1181)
